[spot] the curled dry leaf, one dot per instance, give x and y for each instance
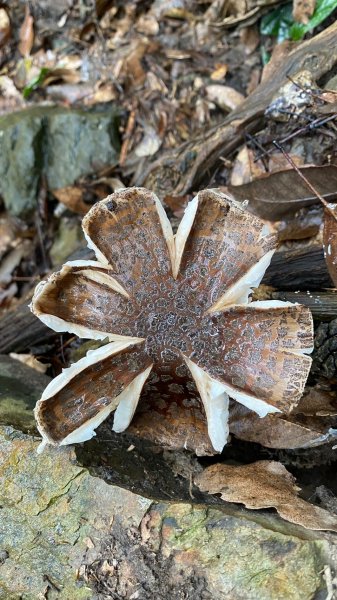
(175, 310)
(330, 241)
(150, 143)
(219, 72)
(279, 194)
(265, 484)
(26, 33)
(72, 198)
(224, 96)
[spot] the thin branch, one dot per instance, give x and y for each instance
(305, 180)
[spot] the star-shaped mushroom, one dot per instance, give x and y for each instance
(176, 310)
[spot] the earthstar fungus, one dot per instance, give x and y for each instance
(177, 314)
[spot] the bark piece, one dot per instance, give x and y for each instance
(265, 484)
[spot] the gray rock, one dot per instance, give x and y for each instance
(59, 143)
(67, 534)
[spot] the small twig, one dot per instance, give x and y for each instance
(32, 278)
(305, 180)
(127, 136)
(313, 125)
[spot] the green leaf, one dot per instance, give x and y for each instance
(280, 22)
(35, 83)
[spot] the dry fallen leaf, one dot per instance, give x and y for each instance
(330, 241)
(303, 10)
(233, 12)
(277, 195)
(294, 431)
(219, 71)
(12, 260)
(224, 96)
(150, 143)
(26, 34)
(72, 198)
(265, 484)
(70, 76)
(245, 168)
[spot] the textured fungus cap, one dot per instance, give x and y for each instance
(183, 337)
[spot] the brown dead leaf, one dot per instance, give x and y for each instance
(317, 402)
(303, 10)
(278, 162)
(72, 198)
(265, 484)
(132, 65)
(245, 168)
(177, 204)
(12, 260)
(5, 27)
(26, 34)
(224, 96)
(7, 234)
(61, 74)
(280, 194)
(147, 24)
(219, 72)
(294, 431)
(330, 241)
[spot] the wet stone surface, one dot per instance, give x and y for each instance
(60, 144)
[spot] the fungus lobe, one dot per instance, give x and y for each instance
(183, 336)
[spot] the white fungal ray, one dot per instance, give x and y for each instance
(167, 231)
(128, 400)
(104, 279)
(240, 291)
(61, 325)
(92, 357)
(183, 232)
(215, 397)
(215, 400)
(87, 430)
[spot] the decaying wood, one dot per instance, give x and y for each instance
(323, 305)
(299, 269)
(179, 171)
(20, 330)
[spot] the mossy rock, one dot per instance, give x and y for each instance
(68, 535)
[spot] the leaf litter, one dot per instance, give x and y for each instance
(177, 72)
